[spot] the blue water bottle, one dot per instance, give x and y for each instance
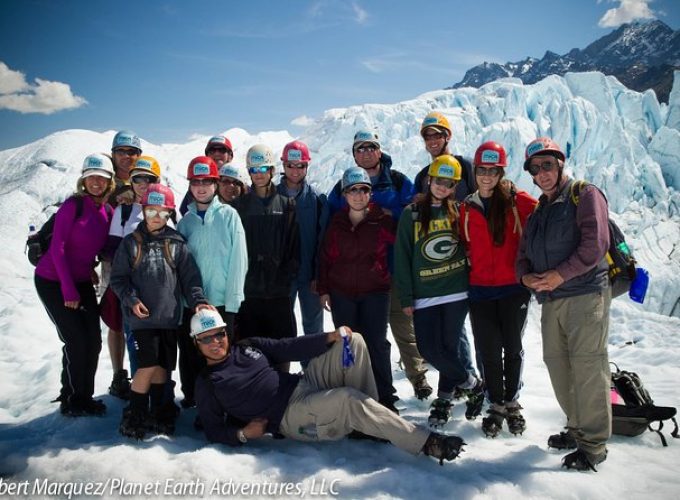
(347, 354)
(638, 288)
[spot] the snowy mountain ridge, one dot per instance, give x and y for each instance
(623, 141)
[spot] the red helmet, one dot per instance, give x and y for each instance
(219, 140)
(158, 194)
(542, 146)
(202, 167)
(491, 154)
(295, 151)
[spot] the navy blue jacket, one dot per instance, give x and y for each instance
(245, 386)
(309, 206)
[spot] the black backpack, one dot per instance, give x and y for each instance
(38, 243)
(619, 257)
(633, 410)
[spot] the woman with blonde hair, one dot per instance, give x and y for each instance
(63, 280)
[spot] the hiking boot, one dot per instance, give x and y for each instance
(422, 389)
(443, 447)
(515, 420)
(440, 412)
(475, 400)
(83, 408)
(134, 423)
(581, 460)
(390, 405)
(562, 441)
(187, 403)
(164, 419)
(493, 424)
(120, 385)
(458, 393)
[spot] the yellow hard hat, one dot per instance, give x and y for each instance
(146, 165)
(437, 120)
(445, 166)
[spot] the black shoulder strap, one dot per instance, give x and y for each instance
(79, 207)
(125, 212)
(397, 179)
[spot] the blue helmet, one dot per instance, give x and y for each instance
(363, 136)
(354, 175)
(125, 138)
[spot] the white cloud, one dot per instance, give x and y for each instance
(43, 96)
(302, 121)
(360, 15)
(626, 12)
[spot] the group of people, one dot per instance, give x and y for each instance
(219, 286)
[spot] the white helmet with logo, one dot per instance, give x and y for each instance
(205, 320)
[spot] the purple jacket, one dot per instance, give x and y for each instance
(75, 245)
(246, 386)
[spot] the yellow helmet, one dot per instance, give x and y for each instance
(445, 166)
(437, 120)
(146, 165)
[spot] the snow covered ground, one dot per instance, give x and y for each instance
(622, 140)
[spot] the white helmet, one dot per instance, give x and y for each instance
(260, 155)
(204, 320)
(97, 164)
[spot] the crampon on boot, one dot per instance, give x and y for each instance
(493, 423)
(475, 400)
(515, 419)
(164, 418)
(443, 447)
(422, 389)
(120, 385)
(440, 412)
(562, 441)
(582, 461)
(134, 423)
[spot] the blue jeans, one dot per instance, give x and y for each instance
(310, 307)
(440, 336)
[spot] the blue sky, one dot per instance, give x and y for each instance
(171, 69)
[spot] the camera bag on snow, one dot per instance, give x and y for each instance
(633, 410)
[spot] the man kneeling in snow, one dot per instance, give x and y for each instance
(240, 396)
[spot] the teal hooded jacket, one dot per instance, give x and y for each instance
(218, 243)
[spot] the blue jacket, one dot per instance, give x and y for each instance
(246, 386)
(392, 191)
(218, 243)
(309, 207)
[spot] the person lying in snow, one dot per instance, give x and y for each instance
(240, 396)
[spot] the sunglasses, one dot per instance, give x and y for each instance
(127, 152)
(434, 136)
(229, 182)
(201, 182)
(296, 165)
(358, 190)
(144, 179)
(440, 181)
(218, 150)
(366, 149)
(150, 213)
(546, 166)
(258, 170)
(219, 336)
(487, 171)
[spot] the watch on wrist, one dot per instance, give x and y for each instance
(240, 435)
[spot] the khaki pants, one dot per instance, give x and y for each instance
(402, 331)
(575, 335)
(330, 401)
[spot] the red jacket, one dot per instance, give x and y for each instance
(354, 259)
(492, 265)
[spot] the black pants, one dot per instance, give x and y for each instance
(191, 362)
(497, 326)
(272, 318)
(367, 314)
(80, 331)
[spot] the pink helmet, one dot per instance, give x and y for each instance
(542, 146)
(295, 151)
(158, 194)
